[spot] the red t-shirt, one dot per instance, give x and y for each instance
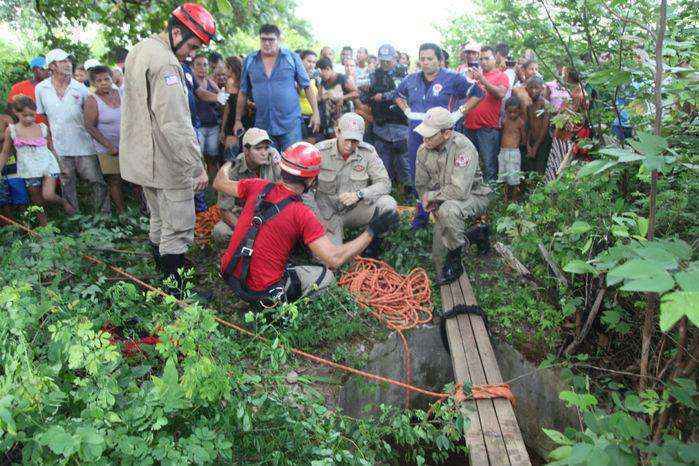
(487, 112)
(25, 88)
(275, 239)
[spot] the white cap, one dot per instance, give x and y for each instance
(351, 126)
(91, 63)
(56, 55)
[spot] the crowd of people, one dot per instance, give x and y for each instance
(343, 138)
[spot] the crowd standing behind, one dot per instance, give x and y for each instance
(363, 112)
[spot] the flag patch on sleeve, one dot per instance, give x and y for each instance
(171, 80)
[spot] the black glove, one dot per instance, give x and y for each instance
(380, 224)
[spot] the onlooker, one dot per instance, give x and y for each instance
(351, 70)
(345, 53)
(270, 76)
(231, 141)
(102, 114)
(118, 78)
(362, 71)
(119, 54)
(404, 60)
(530, 68)
(506, 65)
(209, 116)
(444, 61)
(372, 63)
(36, 163)
(483, 122)
(309, 60)
(469, 58)
(61, 99)
(13, 190)
(39, 72)
(510, 158)
(327, 52)
(538, 135)
(336, 93)
(80, 75)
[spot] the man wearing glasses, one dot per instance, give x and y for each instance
(270, 77)
(483, 122)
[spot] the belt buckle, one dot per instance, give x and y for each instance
(256, 220)
(275, 296)
(246, 251)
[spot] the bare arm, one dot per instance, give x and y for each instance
(90, 117)
(223, 183)
(497, 91)
(334, 256)
(350, 91)
(208, 96)
(470, 104)
(240, 106)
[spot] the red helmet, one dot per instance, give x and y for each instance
(301, 159)
(199, 21)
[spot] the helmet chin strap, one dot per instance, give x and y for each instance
(186, 35)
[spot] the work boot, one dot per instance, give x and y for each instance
(480, 236)
(171, 263)
(421, 219)
(374, 249)
(452, 268)
(155, 250)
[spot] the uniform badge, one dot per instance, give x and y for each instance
(359, 168)
(462, 160)
(436, 89)
(171, 80)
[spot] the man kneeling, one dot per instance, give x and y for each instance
(273, 220)
(450, 184)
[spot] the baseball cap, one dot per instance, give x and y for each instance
(254, 136)
(37, 62)
(56, 55)
(91, 63)
(436, 119)
(471, 47)
(387, 52)
(351, 126)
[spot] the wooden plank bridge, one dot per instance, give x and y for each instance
(494, 437)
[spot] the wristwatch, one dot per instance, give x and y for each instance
(360, 194)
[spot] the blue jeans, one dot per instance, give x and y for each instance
(394, 156)
(487, 142)
(282, 141)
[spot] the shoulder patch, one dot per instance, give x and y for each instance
(462, 159)
(171, 79)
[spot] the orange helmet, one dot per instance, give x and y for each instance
(198, 20)
(301, 159)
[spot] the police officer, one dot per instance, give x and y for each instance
(259, 159)
(352, 182)
(450, 184)
(390, 126)
(159, 149)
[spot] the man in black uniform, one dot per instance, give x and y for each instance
(390, 123)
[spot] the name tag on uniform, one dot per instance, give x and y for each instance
(359, 168)
(461, 160)
(171, 80)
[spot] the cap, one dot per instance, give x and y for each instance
(91, 63)
(37, 62)
(436, 119)
(254, 136)
(471, 47)
(387, 52)
(56, 55)
(351, 126)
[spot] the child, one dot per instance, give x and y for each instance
(13, 192)
(36, 162)
(538, 140)
(510, 159)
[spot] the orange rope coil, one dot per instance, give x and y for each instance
(206, 221)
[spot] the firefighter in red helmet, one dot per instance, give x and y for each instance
(158, 147)
(273, 221)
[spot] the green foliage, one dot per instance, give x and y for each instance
(202, 395)
(12, 70)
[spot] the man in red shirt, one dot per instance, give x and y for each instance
(39, 73)
(273, 221)
(483, 122)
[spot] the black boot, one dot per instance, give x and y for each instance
(452, 268)
(480, 236)
(171, 263)
(155, 249)
(374, 249)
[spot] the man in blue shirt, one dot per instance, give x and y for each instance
(433, 86)
(270, 76)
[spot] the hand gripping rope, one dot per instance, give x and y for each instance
(477, 391)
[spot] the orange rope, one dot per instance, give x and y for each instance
(458, 394)
(400, 302)
(206, 221)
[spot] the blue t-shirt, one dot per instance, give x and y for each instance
(192, 85)
(277, 108)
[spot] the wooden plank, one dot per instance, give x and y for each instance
(516, 450)
(494, 442)
(474, 436)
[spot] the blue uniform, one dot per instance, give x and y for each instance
(447, 90)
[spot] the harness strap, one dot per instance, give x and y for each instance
(455, 311)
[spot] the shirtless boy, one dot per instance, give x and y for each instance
(510, 159)
(538, 139)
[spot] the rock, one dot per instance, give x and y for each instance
(538, 404)
(431, 366)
